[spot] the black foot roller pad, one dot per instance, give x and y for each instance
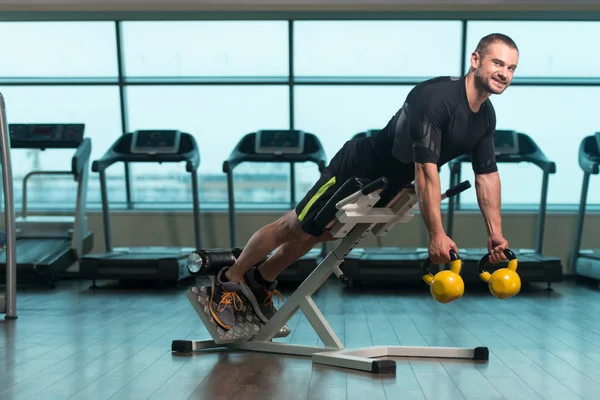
(481, 353)
(384, 366)
(182, 346)
(247, 324)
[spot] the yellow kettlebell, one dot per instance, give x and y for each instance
(504, 282)
(446, 285)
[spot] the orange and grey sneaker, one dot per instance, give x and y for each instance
(224, 298)
(259, 295)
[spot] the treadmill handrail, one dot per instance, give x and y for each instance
(589, 158)
(26, 179)
(587, 161)
(192, 157)
(244, 152)
(113, 155)
(81, 157)
(238, 156)
(9, 308)
(536, 156)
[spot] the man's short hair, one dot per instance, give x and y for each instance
(487, 40)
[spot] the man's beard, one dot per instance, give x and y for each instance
(480, 82)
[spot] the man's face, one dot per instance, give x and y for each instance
(495, 68)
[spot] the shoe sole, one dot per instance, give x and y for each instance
(252, 299)
(212, 312)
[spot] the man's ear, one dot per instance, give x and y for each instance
(475, 59)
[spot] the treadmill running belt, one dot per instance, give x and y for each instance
(588, 263)
(40, 260)
(38, 251)
(137, 263)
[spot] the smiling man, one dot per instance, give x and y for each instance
(444, 118)
(441, 119)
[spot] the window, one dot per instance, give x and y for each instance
(557, 124)
(546, 49)
(377, 48)
(218, 117)
(336, 113)
(97, 107)
(206, 48)
(58, 49)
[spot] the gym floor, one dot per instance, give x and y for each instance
(73, 342)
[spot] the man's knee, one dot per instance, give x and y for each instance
(289, 229)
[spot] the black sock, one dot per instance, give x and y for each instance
(224, 277)
(259, 278)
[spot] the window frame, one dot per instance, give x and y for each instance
(465, 17)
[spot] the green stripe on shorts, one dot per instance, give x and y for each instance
(312, 200)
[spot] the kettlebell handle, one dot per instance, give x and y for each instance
(427, 263)
(486, 258)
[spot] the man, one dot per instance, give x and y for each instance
(441, 119)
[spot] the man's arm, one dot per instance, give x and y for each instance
(488, 191)
(425, 123)
(428, 189)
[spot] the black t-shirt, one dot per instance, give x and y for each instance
(436, 125)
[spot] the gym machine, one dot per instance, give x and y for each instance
(49, 245)
(513, 147)
(167, 264)
(586, 262)
(277, 146)
(384, 263)
(357, 212)
(8, 301)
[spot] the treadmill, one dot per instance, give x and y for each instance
(586, 262)
(160, 264)
(48, 245)
(277, 146)
(398, 264)
(512, 147)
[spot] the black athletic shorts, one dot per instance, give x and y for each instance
(356, 159)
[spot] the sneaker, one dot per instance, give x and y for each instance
(260, 297)
(224, 297)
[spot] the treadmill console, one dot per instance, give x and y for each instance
(597, 134)
(41, 136)
(155, 142)
(279, 142)
(506, 142)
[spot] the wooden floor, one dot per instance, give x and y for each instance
(114, 343)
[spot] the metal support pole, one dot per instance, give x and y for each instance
(580, 220)
(292, 185)
(196, 200)
(539, 242)
(8, 304)
(105, 213)
(232, 233)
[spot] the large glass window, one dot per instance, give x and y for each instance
(557, 119)
(336, 113)
(218, 117)
(546, 48)
(377, 48)
(58, 49)
(95, 106)
(206, 48)
(256, 52)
